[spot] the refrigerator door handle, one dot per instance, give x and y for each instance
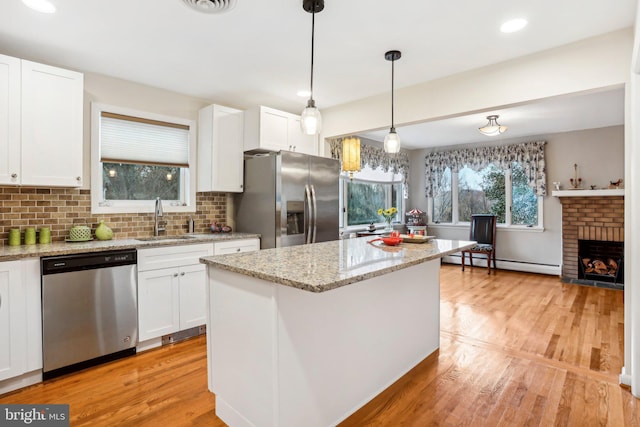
(308, 214)
(315, 213)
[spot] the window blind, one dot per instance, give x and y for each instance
(126, 139)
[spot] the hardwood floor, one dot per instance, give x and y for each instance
(516, 349)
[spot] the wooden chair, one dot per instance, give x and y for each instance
(483, 231)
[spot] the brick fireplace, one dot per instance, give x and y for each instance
(594, 217)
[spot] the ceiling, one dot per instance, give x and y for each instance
(259, 52)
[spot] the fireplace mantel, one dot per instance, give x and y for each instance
(588, 193)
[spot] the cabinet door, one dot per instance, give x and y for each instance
(9, 120)
(193, 296)
(158, 303)
(220, 149)
(51, 126)
(298, 141)
(12, 322)
(33, 313)
(274, 127)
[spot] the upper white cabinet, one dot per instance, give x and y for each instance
(40, 124)
(267, 129)
(220, 149)
(9, 119)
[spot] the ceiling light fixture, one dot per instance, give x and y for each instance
(42, 6)
(310, 119)
(513, 25)
(492, 128)
(211, 6)
(351, 155)
(392, 140)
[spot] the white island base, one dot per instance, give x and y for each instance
(281, 356)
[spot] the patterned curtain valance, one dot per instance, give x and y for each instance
(530, 155)
(375, 157)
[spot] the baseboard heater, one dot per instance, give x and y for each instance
(505, 264)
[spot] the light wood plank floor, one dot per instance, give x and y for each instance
(516, 350)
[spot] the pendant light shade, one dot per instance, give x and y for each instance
(351, 155)
(392, 140)
(492, 128)
(310, 119)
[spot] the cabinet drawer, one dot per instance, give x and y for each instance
(172, 256)
(236, 246)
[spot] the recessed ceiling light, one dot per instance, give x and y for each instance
(513, 25)
(44, 6)
(303, 93)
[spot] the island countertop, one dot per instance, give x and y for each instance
(324, 266)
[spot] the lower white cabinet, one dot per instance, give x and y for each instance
(12, 326)
(171, 299)
(236, 246)
(20, 318)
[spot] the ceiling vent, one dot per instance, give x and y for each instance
(211, 6)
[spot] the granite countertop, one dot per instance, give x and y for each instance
(324, 266)
(8, 253)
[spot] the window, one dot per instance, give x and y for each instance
(443, 198)
(505, 193)
(481, 192)
(138, 156)
(506, 180)
(368, 191)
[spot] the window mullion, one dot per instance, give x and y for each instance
(508, 189)
(454, 197)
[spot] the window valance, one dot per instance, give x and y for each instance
(530, 155)
(375, 157)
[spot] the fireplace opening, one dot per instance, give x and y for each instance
(601, 261)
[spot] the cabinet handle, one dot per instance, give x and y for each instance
(182, 274)
(238, 250)
(78, 178)
(175, 274)
(14, 175)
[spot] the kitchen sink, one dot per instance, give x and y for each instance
(160, 238)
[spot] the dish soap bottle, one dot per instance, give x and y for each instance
(103, 232)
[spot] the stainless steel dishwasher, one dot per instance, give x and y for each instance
(89, 310)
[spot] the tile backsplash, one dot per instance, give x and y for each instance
(61, 208)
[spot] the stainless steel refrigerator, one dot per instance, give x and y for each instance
(290, 199)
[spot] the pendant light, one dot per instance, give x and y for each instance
(351, 155)
(310, 119)
(392, 140)
(492, 128)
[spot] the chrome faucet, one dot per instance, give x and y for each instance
(157, 228)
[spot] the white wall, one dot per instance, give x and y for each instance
(631, 372)
(586, 65)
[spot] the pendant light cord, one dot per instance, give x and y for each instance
(313, 31)
(393, 128)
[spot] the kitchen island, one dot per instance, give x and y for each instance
(306, 335)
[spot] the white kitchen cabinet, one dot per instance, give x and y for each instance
(268, 129)
(171, 289)
(12, 325)
(9, 119)
(236, 246)
(20, 319)
(40, 124)
(220, 149)
(193, 306)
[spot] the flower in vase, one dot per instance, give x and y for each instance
(388, 214)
